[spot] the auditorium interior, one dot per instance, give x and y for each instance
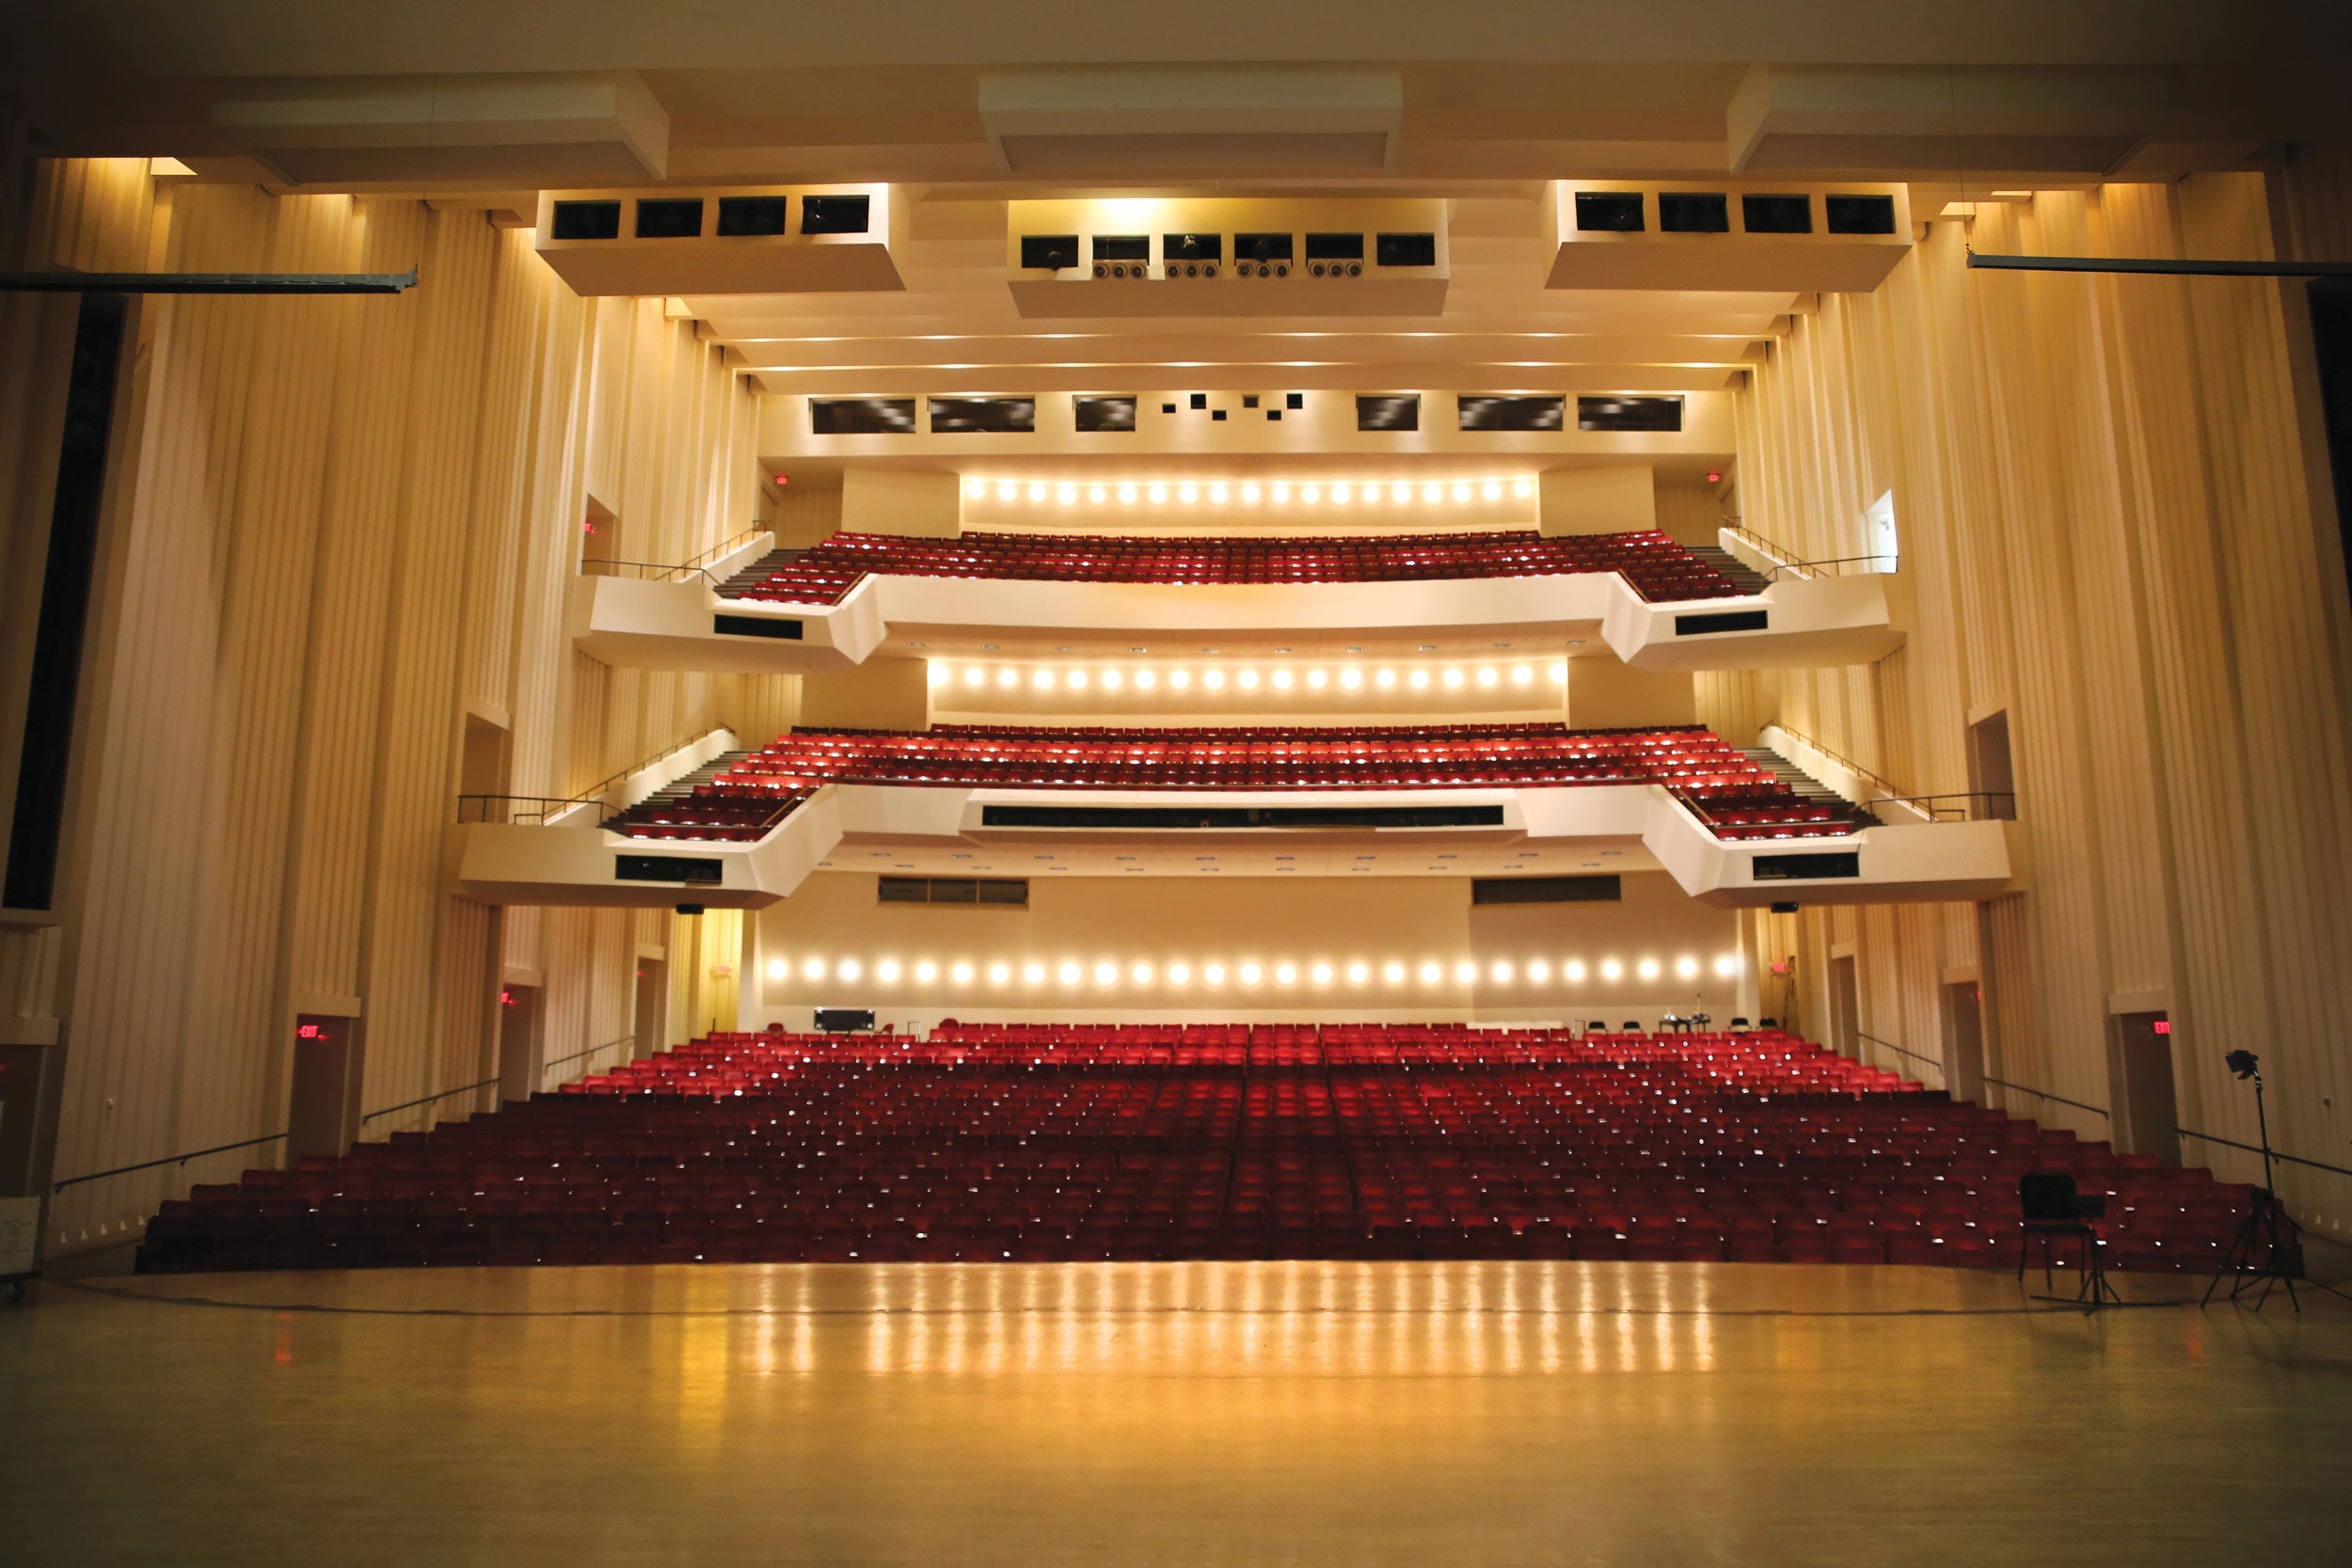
(1513, 783)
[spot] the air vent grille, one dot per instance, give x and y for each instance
(1545, 890)
(861, 415)
(983, 415)
(1104, 413)
(1629, 413)
(1387, 411)
(1499, 411)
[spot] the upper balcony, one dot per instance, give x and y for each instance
(1656, 604)
(1732, 829)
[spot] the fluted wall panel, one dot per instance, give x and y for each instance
(341, 525)
(2114, 528)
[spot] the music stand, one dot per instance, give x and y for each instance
(2050, 1208)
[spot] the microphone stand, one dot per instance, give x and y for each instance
(2267, 1232)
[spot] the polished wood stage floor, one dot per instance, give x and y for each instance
(1164, 1415)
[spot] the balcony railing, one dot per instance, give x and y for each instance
(1999, 805)
(666, 571)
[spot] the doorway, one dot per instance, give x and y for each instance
(1845, 1008)
(323, 1103)
(485, 758)
(651, 1021)
(522, 1055)
(1964, 1041)
(24, 1088)
(2148, 1117)
(1884, 548)
(1992, 774)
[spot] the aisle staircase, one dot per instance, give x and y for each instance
(1808, 788)
(1744, 578)
(653, 807)
(757, 572)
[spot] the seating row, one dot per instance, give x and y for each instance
(1063, 1143)
(1653, 563)
(1743, 800)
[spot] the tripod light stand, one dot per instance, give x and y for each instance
(2267, 1232)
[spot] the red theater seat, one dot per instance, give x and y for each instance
(1652, 563)
(982, 1143)
(1737, 797)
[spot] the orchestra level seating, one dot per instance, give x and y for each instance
(1653, 563)
(1046, 1142)
(1737, 797)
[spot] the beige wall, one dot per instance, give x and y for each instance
(906, 502)
(1607, 694)
(880, 694)
(1616, 499)
(1159, 920)
(2115, 528)
(341, 524)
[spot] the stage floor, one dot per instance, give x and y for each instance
(1165, 1415)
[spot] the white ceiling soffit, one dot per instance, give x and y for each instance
(558, 128)
(1118, 120)
(2013, 119)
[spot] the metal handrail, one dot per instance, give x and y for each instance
(596, 790)
(2044, 1094)
(668, 571)
(593, 795)
(1899, 1050)
(1836, 566)
(167, 1160)
(533, 810)
(547, 1067)
(1937, 812)
(2253, 1148)
(1893, 790)
(412, 1104)
(1781, 554)
(726, 546)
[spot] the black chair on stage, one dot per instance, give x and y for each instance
(2051, 1207)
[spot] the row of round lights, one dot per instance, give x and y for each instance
(1251, 493)
(1247, 677)
(1104, 973)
